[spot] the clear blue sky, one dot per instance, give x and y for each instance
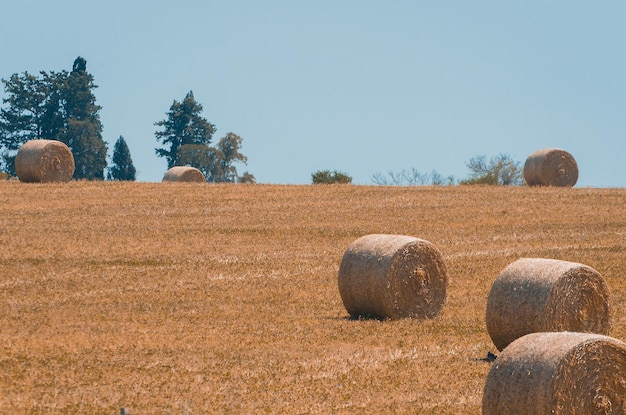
(358, 86)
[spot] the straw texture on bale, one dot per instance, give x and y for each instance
(551, 167)
(558, 373)
(540, 295)
(183, 174)
(392, 277)
(43, 161)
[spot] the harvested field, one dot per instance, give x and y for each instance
(223, 299)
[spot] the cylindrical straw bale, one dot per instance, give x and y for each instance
(43, 161)
(392, 277)
(183, 174)
(551, 167)
(558, 373)
(540, 295)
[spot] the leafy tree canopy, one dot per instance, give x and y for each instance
(229, 146)
(56, 106)
(186, 137)
(201, 156)
(330, 177)
(500, 170)
(183, 126)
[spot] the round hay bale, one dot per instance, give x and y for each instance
(392, 276)
(558, 373)
(551, 167)
(184, 174)
(538, 295)
(43, 161)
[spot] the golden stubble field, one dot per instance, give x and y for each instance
(222, 299)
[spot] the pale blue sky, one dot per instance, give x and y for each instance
(362, 87)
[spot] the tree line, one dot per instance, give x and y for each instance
(62, 106)
(500, 170)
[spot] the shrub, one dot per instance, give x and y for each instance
(501, 170)
(412, 177)
(328, 177)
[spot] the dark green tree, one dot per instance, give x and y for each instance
(82, 130)
(56, 106)
(187, 136)
(32, 111)
(183, 126)
(122, 167)
(22, 119)
(330, 177)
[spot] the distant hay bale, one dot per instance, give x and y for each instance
(183, 174)
(392, 276)
(551, 167)
(558, 373)
(538, 295)
(43, 161)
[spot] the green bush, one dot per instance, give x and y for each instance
(501, 170)
(328, 177)
(488, 178)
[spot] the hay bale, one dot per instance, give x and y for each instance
(551, 167)
(538, 294)
(558, 373)
(392, 276)
(43, 161)
(184, 174)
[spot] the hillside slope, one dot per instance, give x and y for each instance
(202, 299)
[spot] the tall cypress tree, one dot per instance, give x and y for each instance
(122, 167)
(82, 130)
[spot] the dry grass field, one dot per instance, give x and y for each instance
(189, 298)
